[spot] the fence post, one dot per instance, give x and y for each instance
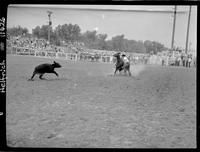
(78, 56)
(57, 55)
(66, 56)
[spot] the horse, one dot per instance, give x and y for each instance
(120, 65)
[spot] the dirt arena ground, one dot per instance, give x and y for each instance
(87, 107)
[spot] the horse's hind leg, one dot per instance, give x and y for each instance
(125, 71)
(41, 77)
(129, 72)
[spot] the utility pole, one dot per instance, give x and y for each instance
(50, 23)
(188, 29)
(174, 23)
(190, 46)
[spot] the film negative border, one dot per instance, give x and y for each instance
(3, 17)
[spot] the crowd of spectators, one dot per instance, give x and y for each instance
(31, 43)
(43, 45)
(139, 58)
(178, 58)
(163, 58)
(74, 47)
(69, 47)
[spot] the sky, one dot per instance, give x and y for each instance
(134, 21)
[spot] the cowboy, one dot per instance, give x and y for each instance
(189, 60)
(125, 59)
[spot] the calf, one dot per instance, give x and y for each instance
(45, 68)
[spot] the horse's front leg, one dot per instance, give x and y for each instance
(115, 71)
(125, 71)
(129, 72)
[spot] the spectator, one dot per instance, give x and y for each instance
(186, 60)
(178, 61)
(163, 61)
(189, 60)
(125, 59)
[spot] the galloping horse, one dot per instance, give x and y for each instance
(120, 64)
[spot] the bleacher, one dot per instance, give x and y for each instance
(77, 51)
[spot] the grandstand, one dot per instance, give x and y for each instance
(77, 51)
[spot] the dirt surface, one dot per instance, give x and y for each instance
(88, 107)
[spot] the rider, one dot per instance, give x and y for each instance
(125, 59)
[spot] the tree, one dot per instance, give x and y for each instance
(92, 40)
(140, 48)
(89, 39)
(36, 31)
(109, 45)
(153, 46)
(118, 43)
(55, 39)
(42, 32)
(68, 32)
(101, 41)
(17, 31)
(131, 46)
(158, 46)
(148, 46)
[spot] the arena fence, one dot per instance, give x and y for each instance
(82, 56)
(85, 56)
(60, 55)
(155, 60)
